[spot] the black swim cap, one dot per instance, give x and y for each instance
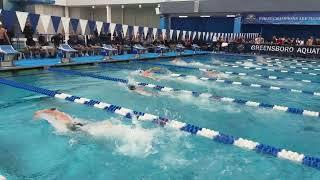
(131, 87)
(53, 109)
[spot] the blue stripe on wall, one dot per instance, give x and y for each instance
(212, 24)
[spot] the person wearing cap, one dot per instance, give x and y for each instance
(59, 116)
(4, 38)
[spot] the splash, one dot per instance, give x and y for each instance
(191, 64)
(130, 140)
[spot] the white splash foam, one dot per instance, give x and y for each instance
(130, 140)
(191, 64)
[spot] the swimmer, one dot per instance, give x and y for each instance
(150, 72)
(177, 61)
(57, 115)
(213, 74)
(140, 90)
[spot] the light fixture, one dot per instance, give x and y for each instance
(122, 6)
(93, 7)
(140, 6)
(183, 16)
(231, 15)
(158, 5)
(205, 16)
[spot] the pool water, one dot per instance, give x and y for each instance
(32, 149)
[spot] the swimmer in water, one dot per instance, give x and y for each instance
(140, 90)
(213, 74)
(59, 116)
(177, 61)
(150, 72)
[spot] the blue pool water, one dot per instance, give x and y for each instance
(33, 149)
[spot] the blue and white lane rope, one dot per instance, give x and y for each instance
(291, 110)
(237, 74)
(266, 69)
(229, 82)
(280, 66)
(214, 135)
(294, 62)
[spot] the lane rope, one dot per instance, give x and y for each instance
(267, 64)
(214, 135)
(237, 74)
(266, 69)
(281, 108)
(240, 83)
(294, 62)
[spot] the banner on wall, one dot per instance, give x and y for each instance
(298, 51)
(297, 18)
(145, 31)
(22, 19)
(99, 25)
(154, 32)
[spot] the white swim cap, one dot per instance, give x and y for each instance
(3, 178)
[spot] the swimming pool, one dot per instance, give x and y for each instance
(35, 150)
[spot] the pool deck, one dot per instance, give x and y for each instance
(87, 60)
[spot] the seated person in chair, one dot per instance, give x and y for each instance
(32, 47)
(76, 44)
(45, 47)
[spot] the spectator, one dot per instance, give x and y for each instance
(4, 39)
(45, 46)
(310, 41)
(28, 31)
(57, 40)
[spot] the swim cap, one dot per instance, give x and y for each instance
(131, 87)
(53, 109)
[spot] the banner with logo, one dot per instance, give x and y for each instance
(297, 18)
(276, 50)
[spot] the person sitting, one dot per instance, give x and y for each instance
(57, 40)
(45, 47)
(76, 44)
(32, 47)
(4, 38)
(94, 44)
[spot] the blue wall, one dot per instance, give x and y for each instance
(212, 24)
(268, 30)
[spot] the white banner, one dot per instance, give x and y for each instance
(43, 24)
(199, 35)
(124, 29)
(99, 25)
(145, 31)
(171, 34)
(164, 33)
(135, 30)
(178, 34)
(83, 25)
(183, 35)
(66, 24)
(194, 35)
(207, 38)
(154, 32)
(22, 18)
